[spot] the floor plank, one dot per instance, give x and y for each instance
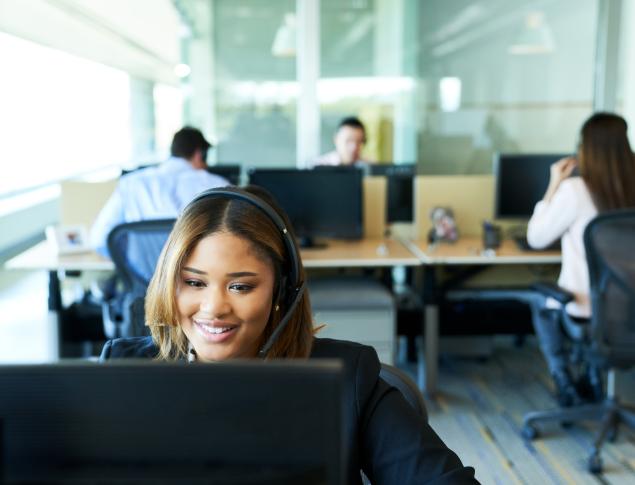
(479, 413)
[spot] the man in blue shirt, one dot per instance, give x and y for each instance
(160, 191)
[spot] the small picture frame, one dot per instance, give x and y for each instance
(68, 239)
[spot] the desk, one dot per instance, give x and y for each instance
(373, 253)
(370, 253)
(466, 251)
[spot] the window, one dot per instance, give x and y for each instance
(61, 115)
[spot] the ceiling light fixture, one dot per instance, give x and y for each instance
(535, 37)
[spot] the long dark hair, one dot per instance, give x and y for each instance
(606, 160)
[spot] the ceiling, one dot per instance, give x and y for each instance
(138, 36)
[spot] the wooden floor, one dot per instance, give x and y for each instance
(479, 410)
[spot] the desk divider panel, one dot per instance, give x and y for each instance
(471, 197)
(80, 202)
(374, 206)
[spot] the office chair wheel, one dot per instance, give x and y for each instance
(529, 432)
(595, 463)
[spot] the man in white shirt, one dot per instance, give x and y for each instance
(160, 191)
(349, 140)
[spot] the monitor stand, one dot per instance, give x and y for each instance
(308, 242)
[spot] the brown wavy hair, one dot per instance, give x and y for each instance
(606, 161)
(203, 218)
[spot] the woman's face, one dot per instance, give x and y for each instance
(224, 298)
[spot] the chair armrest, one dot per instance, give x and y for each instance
(554, 291)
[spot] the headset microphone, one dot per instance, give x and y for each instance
(262, 353)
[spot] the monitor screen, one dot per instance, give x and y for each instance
(521, 181)
(152, 422)
(399, 190)
(230, 172)
(323, 203)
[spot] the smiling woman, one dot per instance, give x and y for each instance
(226, 265)
(230, 284)
(224, 298)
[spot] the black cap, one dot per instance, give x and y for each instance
(186, 141)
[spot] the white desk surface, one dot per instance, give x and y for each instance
(469, 250)
(364, 253)
(367, 252)
(43, 256)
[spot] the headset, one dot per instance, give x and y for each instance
(291, 288)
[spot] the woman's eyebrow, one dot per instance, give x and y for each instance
(193, 270)
(240, 274)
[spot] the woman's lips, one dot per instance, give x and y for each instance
(215, 332)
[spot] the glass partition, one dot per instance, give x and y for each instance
(255, 88)
(448, 84)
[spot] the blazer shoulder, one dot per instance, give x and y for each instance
(127, 348)
(361, 358)
(328, 348)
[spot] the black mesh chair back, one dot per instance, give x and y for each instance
(135, 248)
(397, 378)
(402, 381)
(609, 241)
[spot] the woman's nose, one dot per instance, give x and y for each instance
(214, 303)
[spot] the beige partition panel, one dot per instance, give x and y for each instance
(374, 206)
(471, 197)
(80, 202)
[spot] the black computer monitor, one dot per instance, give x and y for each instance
(325, 203)
(521, 181)
(399, 190)
(151, 422)
(230, 172)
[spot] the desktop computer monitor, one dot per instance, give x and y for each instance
(324, 203)
(230, 172)
(521, 181)
(399, 190)
(150, 422)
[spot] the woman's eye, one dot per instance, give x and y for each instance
(240, 287)
(194, 283)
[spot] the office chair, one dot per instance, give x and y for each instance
(134, 248)
(403, 383)
(609, 240)
(399, 379)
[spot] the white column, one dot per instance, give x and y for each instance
(308, 72)
(606, 56)
(142, 121)
(397, 24)
(627, 52)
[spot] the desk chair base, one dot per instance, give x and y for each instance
(610, 413)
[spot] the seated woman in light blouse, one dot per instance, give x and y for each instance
(606, 182)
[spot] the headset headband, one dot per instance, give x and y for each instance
(269, 212)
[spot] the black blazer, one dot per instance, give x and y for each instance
(386, 438)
